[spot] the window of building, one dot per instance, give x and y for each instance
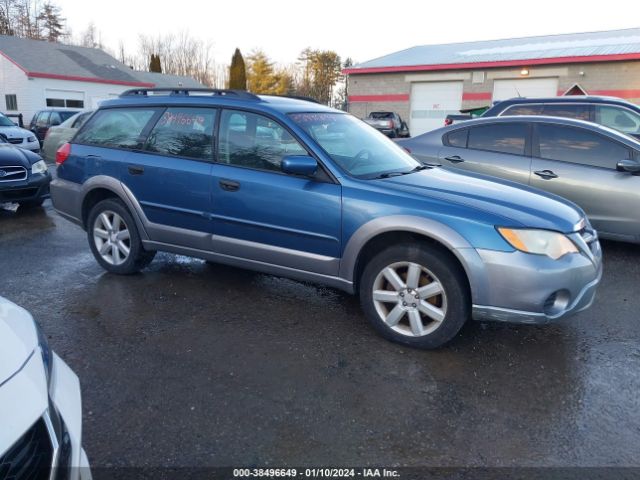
(117, 127)
(255, 141)
(499, 137)
(580, 146)
(64, 103)
(11, 102)
(184, 132)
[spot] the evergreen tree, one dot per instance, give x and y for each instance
(237, 72)
(52, 22)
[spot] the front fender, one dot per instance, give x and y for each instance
(437, 231)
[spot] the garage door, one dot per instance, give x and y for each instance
(525, 87)
(431, 102)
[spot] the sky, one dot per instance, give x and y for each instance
(360, 29)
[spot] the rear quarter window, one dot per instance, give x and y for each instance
(457, 138)
(116, 128)
(523, 110)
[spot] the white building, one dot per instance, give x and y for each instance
(36, 74)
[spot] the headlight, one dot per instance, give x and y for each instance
(541, 242)
(39, 167)
(45, 351)
(31, 139)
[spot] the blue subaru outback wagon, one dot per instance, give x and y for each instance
(293, 188)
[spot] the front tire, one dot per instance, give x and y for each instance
(416, 295)
(114, 238)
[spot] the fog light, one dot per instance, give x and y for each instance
(557, 302)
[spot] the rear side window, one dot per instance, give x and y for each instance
(458, 138)
(579, 112)
(523, 110)
(79, 121)
(184, 132)
(580, 146)
(116, 128)
(500, 137)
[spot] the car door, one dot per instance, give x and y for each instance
(171, 175)
(501, 149)
(262, 214)
(581, 165)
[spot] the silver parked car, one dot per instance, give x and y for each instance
(61, 134)
(596, 167)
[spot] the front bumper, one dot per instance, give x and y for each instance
(42, 429)
(33, 188)
(535, 289)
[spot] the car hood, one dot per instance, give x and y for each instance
(18, 338)
(519, 204)
(15, 132)
(10, 155)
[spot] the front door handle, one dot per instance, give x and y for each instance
(229, 185)
(136, 169)
(546, 174)
(455, 158)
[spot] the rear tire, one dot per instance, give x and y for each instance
(114, 239)
(416, 295)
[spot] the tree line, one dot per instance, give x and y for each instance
(316, 73)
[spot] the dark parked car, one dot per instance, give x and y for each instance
(608, 111)
(45, 119)
(298, 189)
(389, 123)
(24, 177)
(594, 166)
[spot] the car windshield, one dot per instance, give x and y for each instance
(5, 122)
(356, 147)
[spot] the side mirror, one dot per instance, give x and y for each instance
(629, 166)
(299, 165)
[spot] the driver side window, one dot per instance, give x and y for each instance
(255, 141)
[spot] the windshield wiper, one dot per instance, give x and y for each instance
(397, 174)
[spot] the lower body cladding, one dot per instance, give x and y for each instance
(535, 289)
(42, 431)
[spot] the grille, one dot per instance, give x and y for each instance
(30, 457)
(12, 173)
(16, 141)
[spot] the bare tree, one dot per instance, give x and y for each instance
(182, 54)
(91, 37)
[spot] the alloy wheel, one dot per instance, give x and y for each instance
(112, 238)
(409, 299)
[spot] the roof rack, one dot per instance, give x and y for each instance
(215, 92)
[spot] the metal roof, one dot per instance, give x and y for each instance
(42, 59)
(575, 47)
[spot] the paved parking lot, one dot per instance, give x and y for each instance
(189, 364)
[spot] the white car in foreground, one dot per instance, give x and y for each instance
(40, 405)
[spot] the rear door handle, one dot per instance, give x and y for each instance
(455, 158)
(229, 185)
(136, 169)
(546, 174)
